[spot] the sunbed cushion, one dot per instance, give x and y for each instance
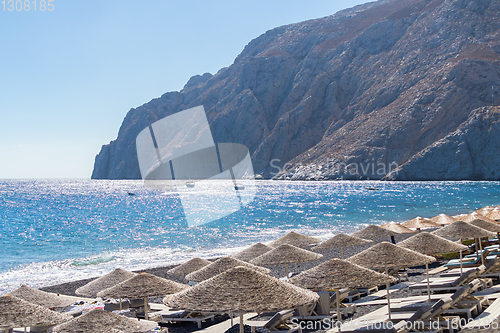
(276, 319)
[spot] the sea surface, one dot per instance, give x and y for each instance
(54, 231)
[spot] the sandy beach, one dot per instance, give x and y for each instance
(415, 274)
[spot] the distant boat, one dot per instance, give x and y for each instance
(372, 189)
(239, 186)
(130, 193)
(190, 183)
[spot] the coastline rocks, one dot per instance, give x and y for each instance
(470, 152)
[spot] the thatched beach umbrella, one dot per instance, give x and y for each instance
(109, 280)
(286, 254)
(484, 210)
(461, 230)
(419, 223)
(429, 244)
(374, 232)
(337, 274)
(341, 240)
(15, 312)
(443, 219)
(219, 266)
(43, 298)
(490, 226)
(494, 214)
(189, 266)
(475, 216)
(295, 239)
(100, 321)
(241, 289)
(252, 252)
(396, 227)
(385, 256)
(143, 285)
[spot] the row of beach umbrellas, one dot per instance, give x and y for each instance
(239, 284)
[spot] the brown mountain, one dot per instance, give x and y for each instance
(400, 89)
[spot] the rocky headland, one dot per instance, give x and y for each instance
(398, 89)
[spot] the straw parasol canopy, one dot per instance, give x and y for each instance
(374, 232)
(385, 255)
(241, 289)
(338, 274)
(286, 254)
(109, 280)
(493, 227)
(189, 266)
(221, 265)
(475, 216)
(43, 298)
(430, 244)
(295, 239)
(15, 312)
(100, 321)
(252, 252)
(494, 214)
(460, 229)
(484, 210)
(142, 285)
(341, 240)
(419, 223)
(396, 227)
(443, 219)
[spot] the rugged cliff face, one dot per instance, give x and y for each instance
(389, 89)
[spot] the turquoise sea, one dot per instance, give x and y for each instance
(54, 231)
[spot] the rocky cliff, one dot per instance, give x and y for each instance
(393, 89)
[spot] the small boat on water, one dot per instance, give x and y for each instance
(372, 188)
(239, 186)
(130, 193)
(190, 183)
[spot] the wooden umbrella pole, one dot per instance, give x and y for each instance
(242, 328)
(477, 247)
(428, 283)
(481, 249)
(121, 304)
(146, 308)
(461, 264)
(231, 315)
(339, 314)
(342, 252)
(388, 285)
(286, 271)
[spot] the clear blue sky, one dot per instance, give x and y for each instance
(68, 77)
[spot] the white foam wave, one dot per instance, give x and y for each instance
(43, 274)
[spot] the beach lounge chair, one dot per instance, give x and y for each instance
(472, 259)
(173, 316)
(491, 269)
(322, 309)
(274, 322)
(485, 319)
(450, 283)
